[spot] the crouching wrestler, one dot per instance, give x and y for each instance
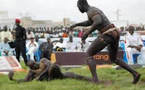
(46, 71)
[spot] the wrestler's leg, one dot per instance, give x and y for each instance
(94, 48)
(43, 75)
(50, 73)
(113, 49)
(76, 76)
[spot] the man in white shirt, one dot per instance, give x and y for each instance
(60, 45)
(70, 45)
(32, 47)
(5, 34)
(5, 48)
(134, 45)
(30, 34)
(78, 47)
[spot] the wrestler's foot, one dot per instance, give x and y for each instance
(136, 78)
(106, 83)
(96, 81)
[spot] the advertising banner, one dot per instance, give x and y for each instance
(8, 63)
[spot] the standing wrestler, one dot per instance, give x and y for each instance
(20, 37)
(109, 37)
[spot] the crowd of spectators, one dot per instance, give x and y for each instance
(39, 42)
(40, 39)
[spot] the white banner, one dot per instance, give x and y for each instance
(8, 63)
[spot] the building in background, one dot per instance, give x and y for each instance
(67, 22)
(5, 20)
(28, 22)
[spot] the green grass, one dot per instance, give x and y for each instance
(121, 80)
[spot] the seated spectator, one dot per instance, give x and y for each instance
(71, 46)
(65, 35)
(46, 49)
(94, 34)
(5, 48)
(60, 34)
(60, 45)
(78, 47)
(80, 33)
(76, 33)
(37, 39)
(30, 34)
(5, 34)
(32, 47)
(84, 46)
(134, 45)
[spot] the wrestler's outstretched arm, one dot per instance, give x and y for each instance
(30, 76)
(85, 23)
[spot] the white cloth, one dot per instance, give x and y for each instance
(32, 48)
(70, 47)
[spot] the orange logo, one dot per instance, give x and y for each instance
(102, 57)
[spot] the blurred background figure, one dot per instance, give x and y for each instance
(20, 40)
(5, 33)
(84, 46)
(46, 49)
(60, 45)
(30, 34)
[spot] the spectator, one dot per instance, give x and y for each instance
(80, 34)
(72, 46)
(5, 48)
(65, 35)
(20, 40)
(94, 34)
(38, 40)
(60, 45)
(84, 46)
(5, 33)
(46, 49)
(134, 45)
(76, 33)
(30, 34)
(32, 47)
